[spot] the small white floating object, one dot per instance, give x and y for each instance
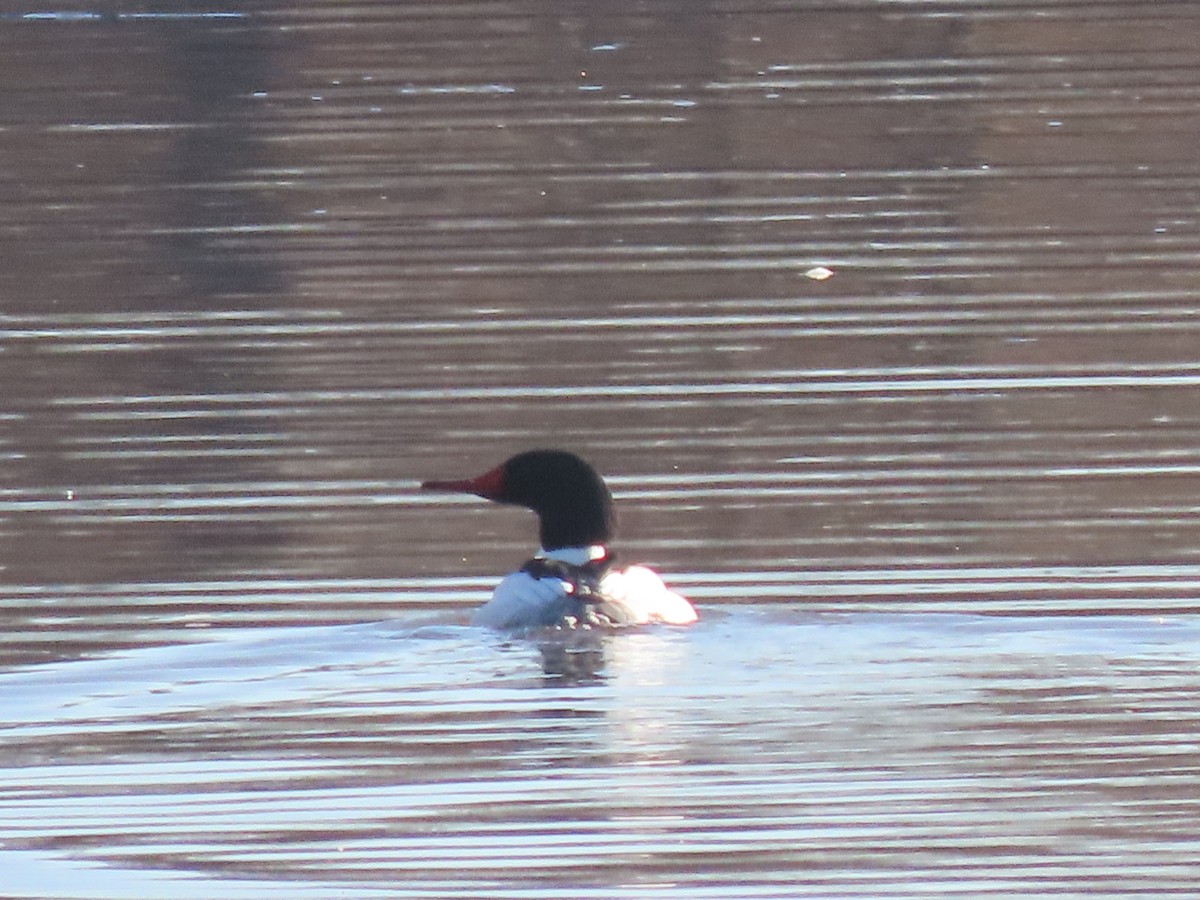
(819, 273)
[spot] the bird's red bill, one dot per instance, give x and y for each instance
(489, 485)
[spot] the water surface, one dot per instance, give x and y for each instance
(880, 318)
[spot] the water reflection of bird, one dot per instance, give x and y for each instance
(573, 580)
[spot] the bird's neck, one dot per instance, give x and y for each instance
(575, 556)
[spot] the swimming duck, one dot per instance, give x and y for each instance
(573, 580)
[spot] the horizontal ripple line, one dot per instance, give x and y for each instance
(818, 384)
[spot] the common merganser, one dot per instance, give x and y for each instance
(573, 580)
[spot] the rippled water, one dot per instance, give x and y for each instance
(880, 317)
(769, 751)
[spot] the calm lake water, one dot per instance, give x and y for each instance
(882, 319)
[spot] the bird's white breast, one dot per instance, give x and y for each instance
(522, 601)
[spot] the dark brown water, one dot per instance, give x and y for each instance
(881, 318)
